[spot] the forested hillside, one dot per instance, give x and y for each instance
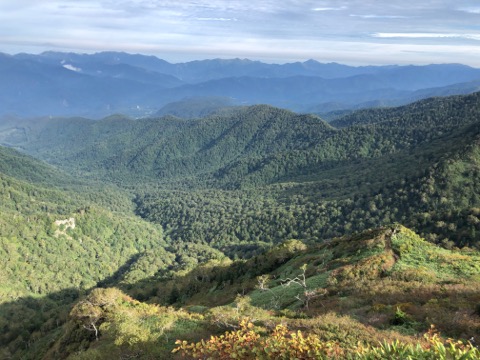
(252, 146)
(26, 168)
(54, 238)
(119, 236)
(261, 175)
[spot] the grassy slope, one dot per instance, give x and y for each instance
(382, 284)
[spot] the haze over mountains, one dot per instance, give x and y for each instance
(97, 85)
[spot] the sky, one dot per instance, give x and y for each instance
(355, 32)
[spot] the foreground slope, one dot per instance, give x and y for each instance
(382, 284)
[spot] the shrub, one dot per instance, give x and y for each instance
(433, 349)
(247, 343)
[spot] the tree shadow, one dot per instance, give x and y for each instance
(29, 325)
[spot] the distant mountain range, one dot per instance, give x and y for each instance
(97, 85)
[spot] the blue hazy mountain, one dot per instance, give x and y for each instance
(96, 85)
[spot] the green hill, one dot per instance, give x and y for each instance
(168, 148)
(23, 167)
(432, 188)
(249, 147)
(61, 237)
(428, 112)
(52, 238)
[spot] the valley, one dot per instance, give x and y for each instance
(356, 232)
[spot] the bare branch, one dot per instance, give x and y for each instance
(92, 327)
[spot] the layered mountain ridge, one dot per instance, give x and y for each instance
(97, 85)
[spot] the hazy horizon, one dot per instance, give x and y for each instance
(351, 32)
(234, 58)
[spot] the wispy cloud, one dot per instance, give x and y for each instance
(471, 10)
(72, 68)
(427, 35)
(329, 8)
(374, 16)
(214, 19)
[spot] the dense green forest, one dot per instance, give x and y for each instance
(120, 236)
(249, 147)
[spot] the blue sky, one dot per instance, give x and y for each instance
(354, 32)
